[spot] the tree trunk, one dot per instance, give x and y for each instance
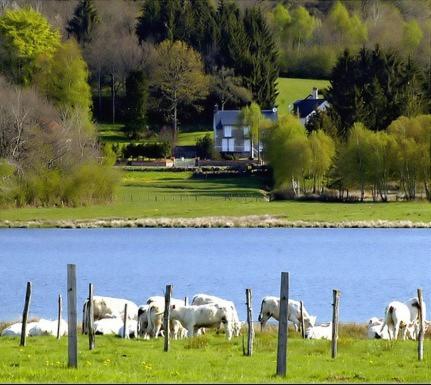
(113, 98)
(99, 93)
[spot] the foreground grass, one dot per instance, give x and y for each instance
(292, 89)
(211, 358)
(176, 194)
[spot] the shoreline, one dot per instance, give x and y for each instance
(250, 221)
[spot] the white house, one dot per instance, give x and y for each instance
(306, 108)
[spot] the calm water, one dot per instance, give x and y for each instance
(370, 266)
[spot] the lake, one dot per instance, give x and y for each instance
(371, 267)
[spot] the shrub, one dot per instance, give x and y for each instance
(147, 150)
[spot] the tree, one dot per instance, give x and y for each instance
(137, 91)
(322, 155)
(412, 35)
(24, 36)
(178, 76)
(301, 26)
(205, 147)
(83, 22)
(64, 79)
(261, 67)
(289, 153)
(251, 116)
(228, 88)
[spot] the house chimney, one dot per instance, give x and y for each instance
(315, 93)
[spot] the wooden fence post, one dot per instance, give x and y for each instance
(335, 313)
(186, 301)
(60, 310)
(25, 314)
(282, 326)
(90, 320)
(125, 334)
(422, 316)
(166, 316)
(71, 317)
(302, 319)
(249, 322)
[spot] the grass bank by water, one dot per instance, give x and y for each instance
(212, 359)
(175, 195)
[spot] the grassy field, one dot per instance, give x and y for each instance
(292, 89)
(212, 359)
(177, 194)
(112, 133)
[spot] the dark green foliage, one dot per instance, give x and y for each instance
(261, 70)
(147, 150)
(136, 102)
(373, 87)
(204, 147)
(83, 22)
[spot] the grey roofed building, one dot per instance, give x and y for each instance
(305, 108)
(230, 136)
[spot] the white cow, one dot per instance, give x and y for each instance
(204, 299)
(37, 328)
(413, 305)
(47, 327)
(109, 307)
(323, 331)
(115, 326)
(375, 330)
(397, 316)
(204, 316)
(143, 330)
(155, 313)
(270, 307)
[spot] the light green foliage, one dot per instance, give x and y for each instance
(353, 162)
(288, 153)
(63, 79)
(322, 154)
(26, 35)
(301, 27)
(412, 35)
(280, 19)
(413, 140)
(179, 77)
(347, 29)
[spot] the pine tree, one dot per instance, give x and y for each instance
(137, 91)
(262, 67)
(83, 22)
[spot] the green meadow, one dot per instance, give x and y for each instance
(213, 359)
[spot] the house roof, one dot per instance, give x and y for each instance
(231, 117)
(306, 106)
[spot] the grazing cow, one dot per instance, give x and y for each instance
(204, 316)
(115, 326)
(205, 299)
(155, 313)
(270, 307)
(323, 331)
(109, 307)
(397, 316)
(375, 329)
(143, 321)
(13, 330)
(413, 305)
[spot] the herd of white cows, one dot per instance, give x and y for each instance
(207, 311)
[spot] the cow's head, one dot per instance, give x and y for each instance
(310, 321)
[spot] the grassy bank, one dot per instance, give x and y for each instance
(211, 358)
(292, 89)
(178, 195)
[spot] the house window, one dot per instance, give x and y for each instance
(247, 145)
(227, 131)
(231, 144)
(224, 145)
(246, 132)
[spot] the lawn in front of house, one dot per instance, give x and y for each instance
(176, 194)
